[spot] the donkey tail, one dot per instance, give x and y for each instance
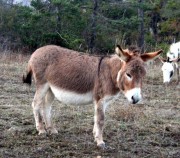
(28, 77)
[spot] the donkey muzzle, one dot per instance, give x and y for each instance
(133, 95)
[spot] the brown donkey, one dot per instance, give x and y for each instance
(77, 78)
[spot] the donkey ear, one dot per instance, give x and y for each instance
(148, 56)
(123, 54)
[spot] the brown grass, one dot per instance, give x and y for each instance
(148, 129)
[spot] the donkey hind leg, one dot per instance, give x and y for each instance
(99, 123)
(176, 67)
(46, 112)
(178, 77)
(37, 104)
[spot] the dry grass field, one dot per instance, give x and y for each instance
(150, 129)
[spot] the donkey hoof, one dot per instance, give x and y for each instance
(42, 132)
(101, 145)
(52, 131)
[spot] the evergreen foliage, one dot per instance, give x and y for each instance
(69, 23)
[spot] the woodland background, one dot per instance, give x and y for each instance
(93, 26)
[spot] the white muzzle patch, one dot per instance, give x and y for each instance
(134, 95)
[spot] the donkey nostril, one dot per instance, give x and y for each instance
(134, 100)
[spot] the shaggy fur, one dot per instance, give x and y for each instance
(77, 78)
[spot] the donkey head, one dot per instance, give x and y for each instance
(174, 52)
(132, 72)
(167, 69)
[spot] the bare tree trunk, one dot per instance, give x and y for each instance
(58, 18)
(153, 24)
(155, 18)
(93, 27)
(141, 27)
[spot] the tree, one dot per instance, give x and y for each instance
(141, 26)
(93, 26)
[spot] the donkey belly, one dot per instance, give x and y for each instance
(70, 97)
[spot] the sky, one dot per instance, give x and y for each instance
(24, 2)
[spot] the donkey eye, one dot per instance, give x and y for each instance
(128, 75)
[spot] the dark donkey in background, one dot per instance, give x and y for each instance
(77, 78)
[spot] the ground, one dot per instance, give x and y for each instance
(149, 129)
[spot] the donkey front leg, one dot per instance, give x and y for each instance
(99, 123)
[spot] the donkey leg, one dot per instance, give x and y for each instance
(99, 123)
(47, 112)
(37, 104)
(178, 77)
(177, 72)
